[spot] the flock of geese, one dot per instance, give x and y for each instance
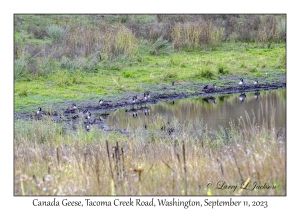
(242, 96)
(89, 119)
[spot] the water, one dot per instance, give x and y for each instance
(270, 107)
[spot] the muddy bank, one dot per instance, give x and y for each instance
(157, 94)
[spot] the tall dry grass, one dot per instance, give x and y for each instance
(41, 49)
(195, 34)
(164, 159)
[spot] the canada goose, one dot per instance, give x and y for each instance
(210, 87)
(88, 126)
(256, 82)
(103, 103)
(148, 94)
(41, 111)
(91, 119)
(84, 114)
(142, 99)
(170, 87)
(71, 108)
(132, 101)
(242, 97)
(256, 95)
(132, 111)
(241, 82)
(210, 99)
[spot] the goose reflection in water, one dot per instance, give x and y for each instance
(242, 97)
(144, 109)
(210, 100)
(133, 112)
(256, 95)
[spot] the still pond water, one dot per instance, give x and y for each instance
(269, 107)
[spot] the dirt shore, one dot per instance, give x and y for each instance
(158, 93)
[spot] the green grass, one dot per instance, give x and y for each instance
(135, 74)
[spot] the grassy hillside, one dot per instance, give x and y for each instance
(67, 57)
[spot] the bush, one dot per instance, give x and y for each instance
(66, 63)
(128, 74)
(55, 32)
(20, 68)
(221, 69)
(23, 91)
(161, 47)
(62, 79)
(207, 73)
(168, 75)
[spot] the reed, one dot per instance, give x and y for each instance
(148, 162)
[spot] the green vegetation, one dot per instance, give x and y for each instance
(59, 58)
(68, 57)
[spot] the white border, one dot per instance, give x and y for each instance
(8, 201)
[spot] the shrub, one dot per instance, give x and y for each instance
(24, 91)
(62, 79)
(77, 77)
(206, 73)
(168, 75)
(161, 47)
(55, 32)
(66, 63)
(221, 69)
(119, 41)
(20, 68)
(128, 74)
